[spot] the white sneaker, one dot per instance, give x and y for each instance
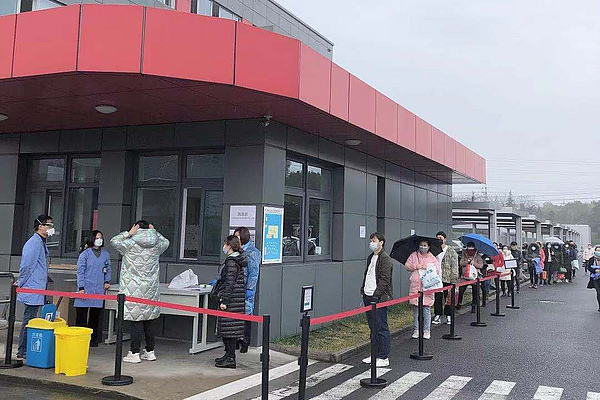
(148, 355)
(382, 362)
(415, 334)
(367, 360)
(448, 320)
(427, 335)
(437, 320)
(132, 358)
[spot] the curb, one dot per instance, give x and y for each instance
(349, 352)
(67, 387)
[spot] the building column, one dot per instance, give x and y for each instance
(538, 230)
(519, 231)
(493, 226)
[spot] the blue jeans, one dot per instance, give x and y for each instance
(383, 332)
(30, 313)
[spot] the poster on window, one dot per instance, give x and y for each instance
(272, 235)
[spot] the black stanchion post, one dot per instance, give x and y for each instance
(117, 379)
(373, 381)
(478, 323)
(512, 291)
(264, 357)
(498, 313)
(421, 354)
(303, 360)
(452, 335)
(10, 335)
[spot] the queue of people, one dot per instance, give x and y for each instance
(551, 263)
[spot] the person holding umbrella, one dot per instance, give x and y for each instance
(471, 258)
(420, 260)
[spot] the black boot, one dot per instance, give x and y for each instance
(473, 308)
(219, 359)
(228, 362)
(243, 347)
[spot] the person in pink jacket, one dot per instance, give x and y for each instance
(420, 259)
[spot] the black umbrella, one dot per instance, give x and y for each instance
(403, 248)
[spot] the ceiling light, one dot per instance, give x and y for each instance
(3, 117)
(353, 142)
(106, 109)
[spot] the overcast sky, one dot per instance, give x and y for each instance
(517, 81)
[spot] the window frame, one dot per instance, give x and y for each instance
(306, 195)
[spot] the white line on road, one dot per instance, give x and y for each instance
(240, 385)
(311, 381)
(400, 386)
(449, 388)
(351, 385)
(498, 390)
(593, 396)
(548, 393)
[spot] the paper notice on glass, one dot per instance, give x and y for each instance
(242, 216)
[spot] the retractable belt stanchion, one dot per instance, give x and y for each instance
(303, 360)
(452, 335)
(478, 323)
(8, 362)
(117, 379)
(421, 354)
(373, 381)
(264, 357)
(512, 291)
(498, 313)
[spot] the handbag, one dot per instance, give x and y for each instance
(430, 278)
(470, 273)
(575, 264)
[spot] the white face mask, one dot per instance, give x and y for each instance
(50, 232)
(225, 250)
(373, 246)
(98, 242)
(423, 249)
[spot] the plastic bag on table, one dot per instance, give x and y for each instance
(184, 280)
(430, 278)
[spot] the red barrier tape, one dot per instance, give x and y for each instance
(488, 278)
(466, 283)
(333, 317)
(398, 301)
(197, 310)
(505, 274)
(442, 289)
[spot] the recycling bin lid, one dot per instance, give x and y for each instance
(73, 331)
(40, 323)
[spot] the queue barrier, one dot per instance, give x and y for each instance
(121, 380)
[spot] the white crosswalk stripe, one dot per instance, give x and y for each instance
(593, 396)
(498, 390)
(548, 393)
(449, 388)
(311, 381)
(400, 386)
(348, 387)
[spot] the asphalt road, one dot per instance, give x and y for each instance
(551, 341)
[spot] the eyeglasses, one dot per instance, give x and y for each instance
(49, 224)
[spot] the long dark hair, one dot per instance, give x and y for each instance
(88, 241)
(233, 242)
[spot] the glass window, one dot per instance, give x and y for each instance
(45, 4)
(47, 170)
(318, 179)
(158, 169)
(203, 7)
(82, 217)
(294, 174)
(204, 166)
(292, 228)
(55, 210)
(213, 219)
(318, 227)
(159, 206)
(85, 170)
(191, 233)
(225, 13)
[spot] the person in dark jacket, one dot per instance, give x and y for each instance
(552, 256)
(593, 266)
(231, 291)
(517, 255)
(377, 287)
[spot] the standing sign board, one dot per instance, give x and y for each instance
(272, 235)
(306, 304)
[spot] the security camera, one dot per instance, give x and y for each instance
(267, 120)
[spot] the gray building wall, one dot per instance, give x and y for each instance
(367, 191)
(264, 14)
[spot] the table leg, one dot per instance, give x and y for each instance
(204, 320)
(112, 338)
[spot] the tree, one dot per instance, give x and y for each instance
(510, 201)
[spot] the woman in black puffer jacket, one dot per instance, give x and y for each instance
(232, 298)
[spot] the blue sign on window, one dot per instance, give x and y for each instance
(272, 235)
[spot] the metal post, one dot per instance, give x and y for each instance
(421, 354)
(8, 362)
(264, 357)
(117, 379)
(373, 381)
(498, 313)
(512, 291)
(451, 335)
(478, 323)
(303, 360)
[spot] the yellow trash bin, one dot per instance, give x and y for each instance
(72, 350)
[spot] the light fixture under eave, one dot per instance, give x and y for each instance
(106, 109)
(3, 117)
(353, 142)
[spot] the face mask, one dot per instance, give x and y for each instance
(533, 248)
(50, 232)
(373, 246)
(98, 242)
(423, 249)
(225, 250)
(597, 254)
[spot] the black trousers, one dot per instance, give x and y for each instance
(440, 306)
(505, 286)
(146, 329)
(89, 317)
(230, 347)
(597, 287)
(461, 293)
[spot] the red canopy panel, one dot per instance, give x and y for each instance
(162, 66)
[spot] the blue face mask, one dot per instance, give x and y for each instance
(597, 254)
